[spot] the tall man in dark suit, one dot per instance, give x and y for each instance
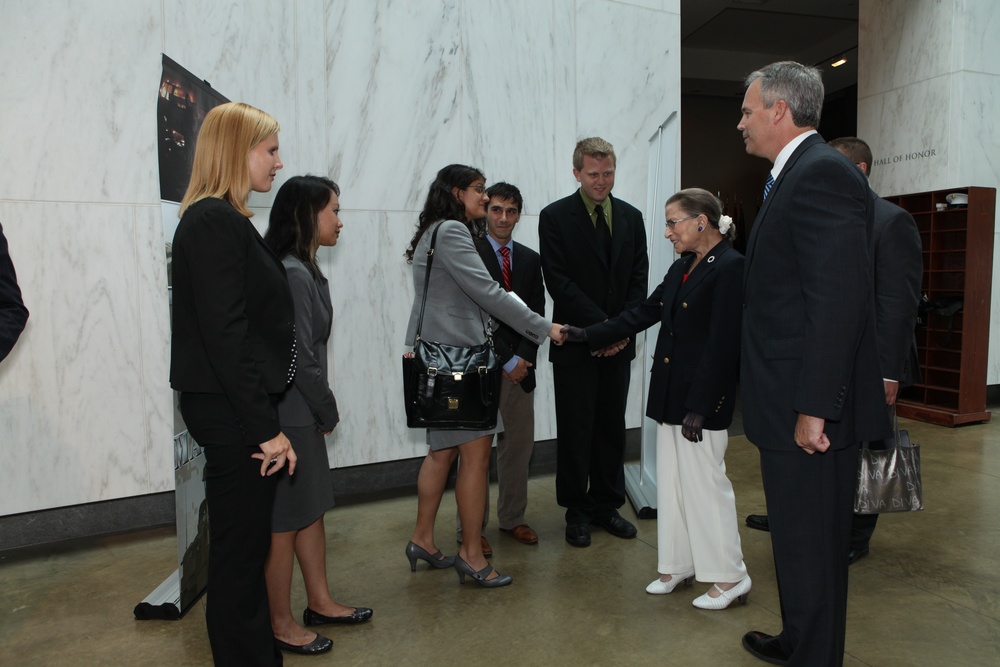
(898, 273)
(13, 314)
(810, 377)
(518, 269)
(594, 259)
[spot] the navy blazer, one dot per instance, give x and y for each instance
(696, 361)
(233, 318)
(526, 282)
(585, 289)
(809, 336)
(899, 271)
(13, 314)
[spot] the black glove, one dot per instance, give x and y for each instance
(574, 334)
(691, 428)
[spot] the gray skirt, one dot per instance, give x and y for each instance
(446, 438)
(307, 495)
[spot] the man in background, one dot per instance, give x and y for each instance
(518, 269)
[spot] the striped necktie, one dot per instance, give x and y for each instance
(768, 184)
(505, 268)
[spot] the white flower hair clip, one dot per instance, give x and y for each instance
(725, 223)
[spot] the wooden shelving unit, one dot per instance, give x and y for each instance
(958, 264)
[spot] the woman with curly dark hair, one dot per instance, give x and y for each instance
(461, 298)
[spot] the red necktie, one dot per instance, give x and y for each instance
(505, 269)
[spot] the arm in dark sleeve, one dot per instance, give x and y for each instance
(719, 366)
(898, 272)
(13, 314)
(535, 298)
(627, 323)
(310, 377)
(215, 251)
(829, 230)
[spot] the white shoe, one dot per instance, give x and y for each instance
(663, 587)
(736, 594)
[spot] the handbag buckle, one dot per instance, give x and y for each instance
(457, 376)
(453, 403)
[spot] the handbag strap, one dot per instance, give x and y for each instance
(427, 281)
(487, 327)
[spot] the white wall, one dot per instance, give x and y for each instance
(930, 81)
(379, 94)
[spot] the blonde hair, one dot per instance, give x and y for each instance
(595, 147)
(221, 165)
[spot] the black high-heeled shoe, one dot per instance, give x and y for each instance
(359, 615)
(436, 559)
(480, 577)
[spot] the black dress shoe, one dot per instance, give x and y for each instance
(360, 615)
(854, 555)
(765, 647)
(758, 521)
(578, 534)
(319, 645)
(616, 525)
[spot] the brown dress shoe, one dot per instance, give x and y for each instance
(487, 549)
(523, 533)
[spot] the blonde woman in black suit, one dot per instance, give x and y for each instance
(461, 297)
(305, 215)
(232, 356)
(692, 391)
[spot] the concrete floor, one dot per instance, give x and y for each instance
(929, 593)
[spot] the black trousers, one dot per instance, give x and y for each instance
(810, 504)
(590, 437)
(239, 515)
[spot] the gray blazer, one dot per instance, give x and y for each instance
(309, 400)
(462, 293)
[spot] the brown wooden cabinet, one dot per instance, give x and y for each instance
(958, 267)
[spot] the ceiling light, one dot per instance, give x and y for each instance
(838, 63)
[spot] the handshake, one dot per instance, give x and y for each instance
(568, 333)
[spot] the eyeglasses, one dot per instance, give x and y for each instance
(481, 189)
(673, 223)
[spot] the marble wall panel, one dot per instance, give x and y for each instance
(153, 327)
(978, 23)
(307, 153)
(79, 84)
(565, 129)
(395, 73)
(72, 394)
(508, 106)
(246, 51)
(903, 125)
(978, 130)
(905, 41)
(628, 58)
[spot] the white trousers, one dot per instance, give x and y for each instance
(696, 508)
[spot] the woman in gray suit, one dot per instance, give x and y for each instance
(461, 297)
(305, 215)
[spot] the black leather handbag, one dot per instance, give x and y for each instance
(450, 386)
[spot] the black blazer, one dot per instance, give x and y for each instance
(233, 316)
(13, 314)
(526, 282)
(697, 359)
(585, 290)
(809, 341)
(899, 269)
